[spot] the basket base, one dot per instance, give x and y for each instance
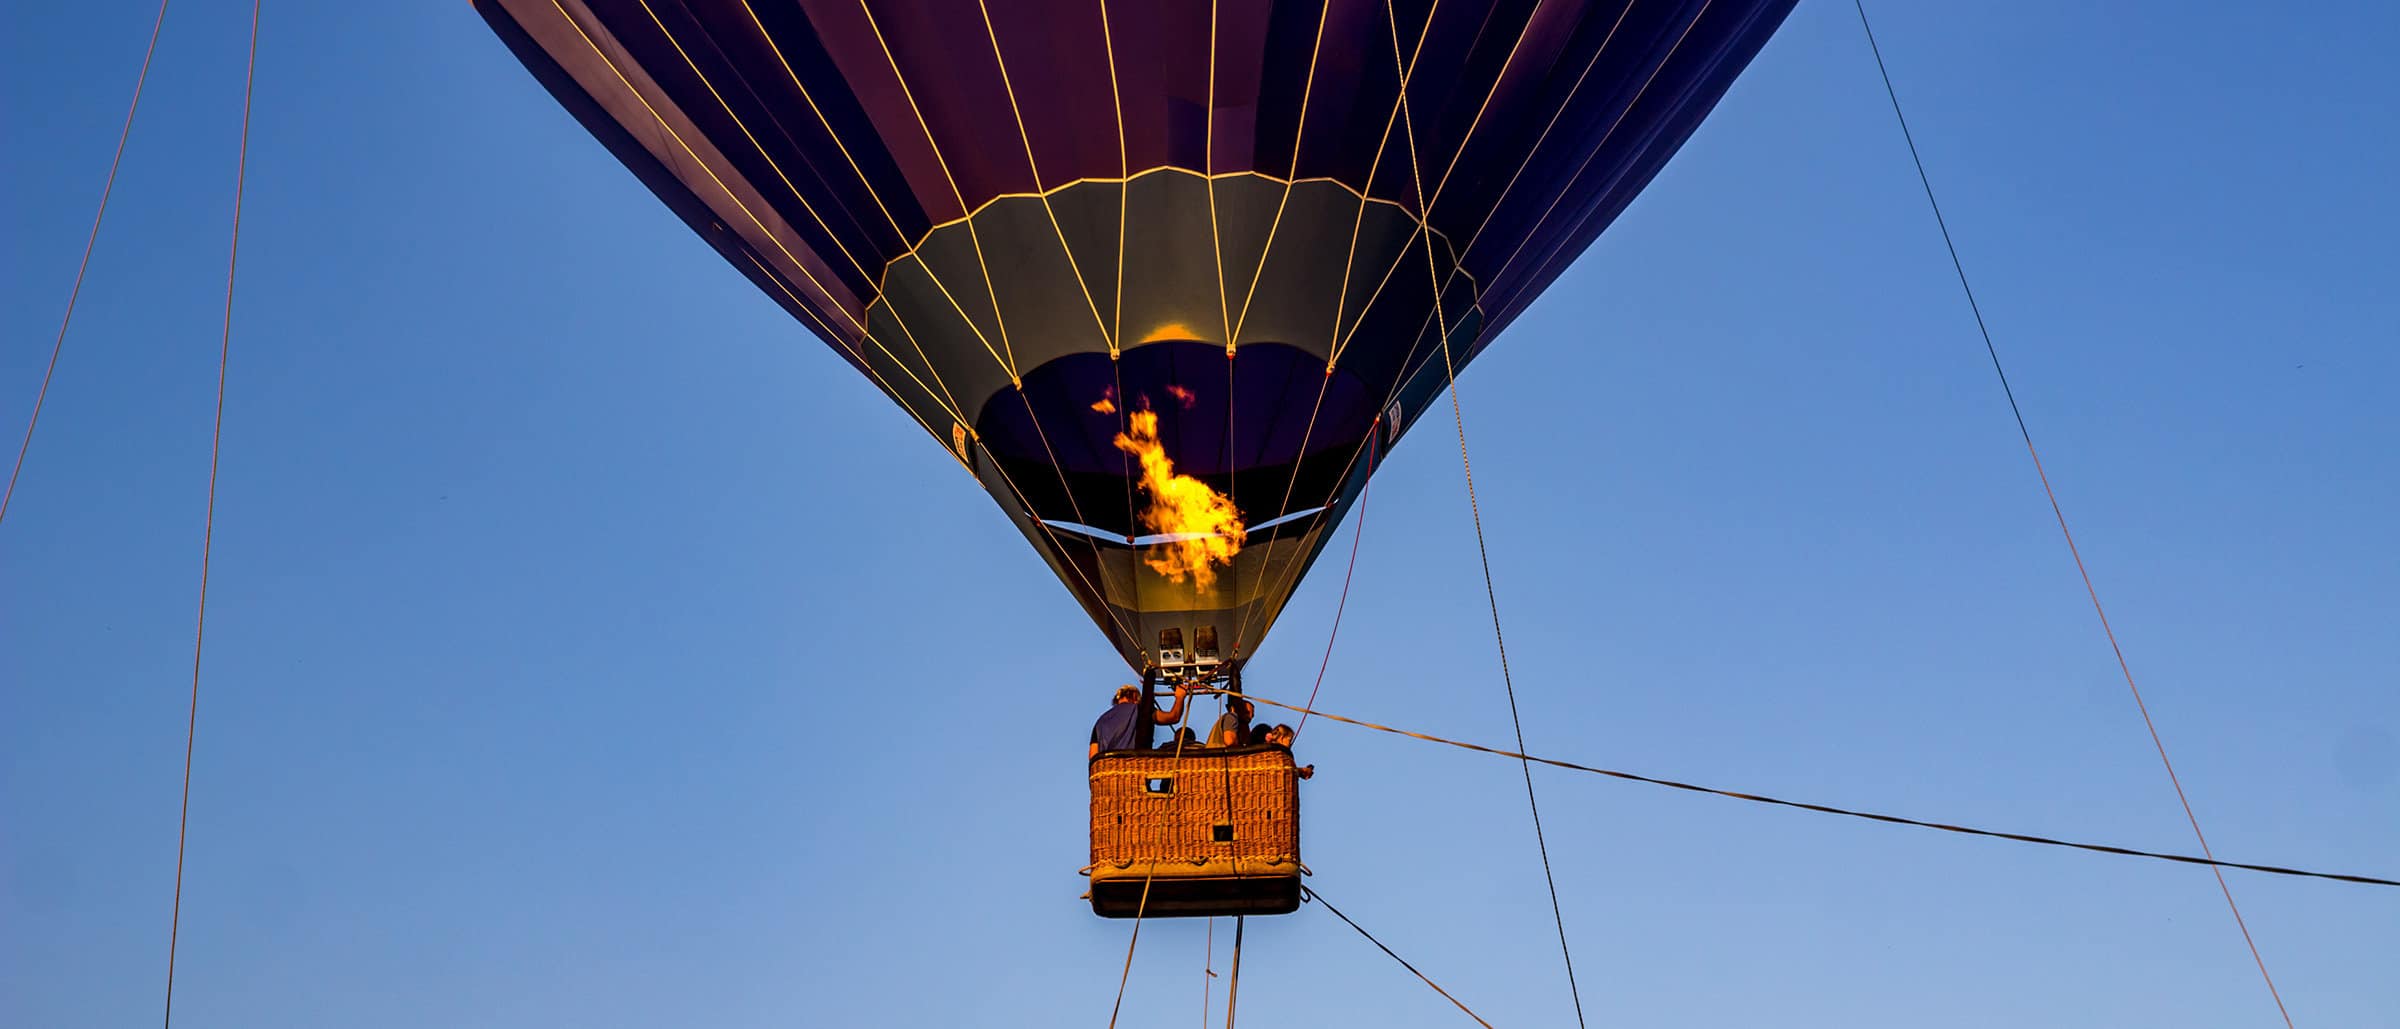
(1193, 896)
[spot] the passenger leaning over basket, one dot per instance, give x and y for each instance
(1281, 736)
(1120, 727)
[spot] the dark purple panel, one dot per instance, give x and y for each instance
(1530, 125)
(1057, 67)
(1536, 126)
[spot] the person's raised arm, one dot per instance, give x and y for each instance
(1173, 711)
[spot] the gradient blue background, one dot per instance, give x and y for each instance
(589, 646)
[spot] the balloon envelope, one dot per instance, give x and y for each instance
(1073, 237)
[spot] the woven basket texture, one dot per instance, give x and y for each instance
(1253, 789)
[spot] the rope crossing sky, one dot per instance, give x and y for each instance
(106, 189)
(208, 532)
(2208, 857)
(1828, 809)
(1412, 969)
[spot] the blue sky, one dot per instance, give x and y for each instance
(575, 612)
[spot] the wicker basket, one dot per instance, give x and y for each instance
(1207, 831)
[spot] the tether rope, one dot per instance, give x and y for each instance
(208, 530)
(1116, 1008)
(1183, 715)
(1412, 969)
(1208, 969)
(85, 264)
(1458, 412)
(1233, 981)
(2060, 513)
(1828, 809)
(1357, 532)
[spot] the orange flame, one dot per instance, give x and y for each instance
(1205, 528)
(1105, 406)
(1182, 396)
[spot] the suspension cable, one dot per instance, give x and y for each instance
(85, 264)
(208, 530)
(1828, 809)
(1412, 969)
(2060, 513)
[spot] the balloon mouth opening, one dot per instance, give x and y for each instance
(1271, 432)
(1121, 540)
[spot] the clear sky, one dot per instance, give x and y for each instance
(588, 645)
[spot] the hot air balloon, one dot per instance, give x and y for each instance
(1169, 278)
